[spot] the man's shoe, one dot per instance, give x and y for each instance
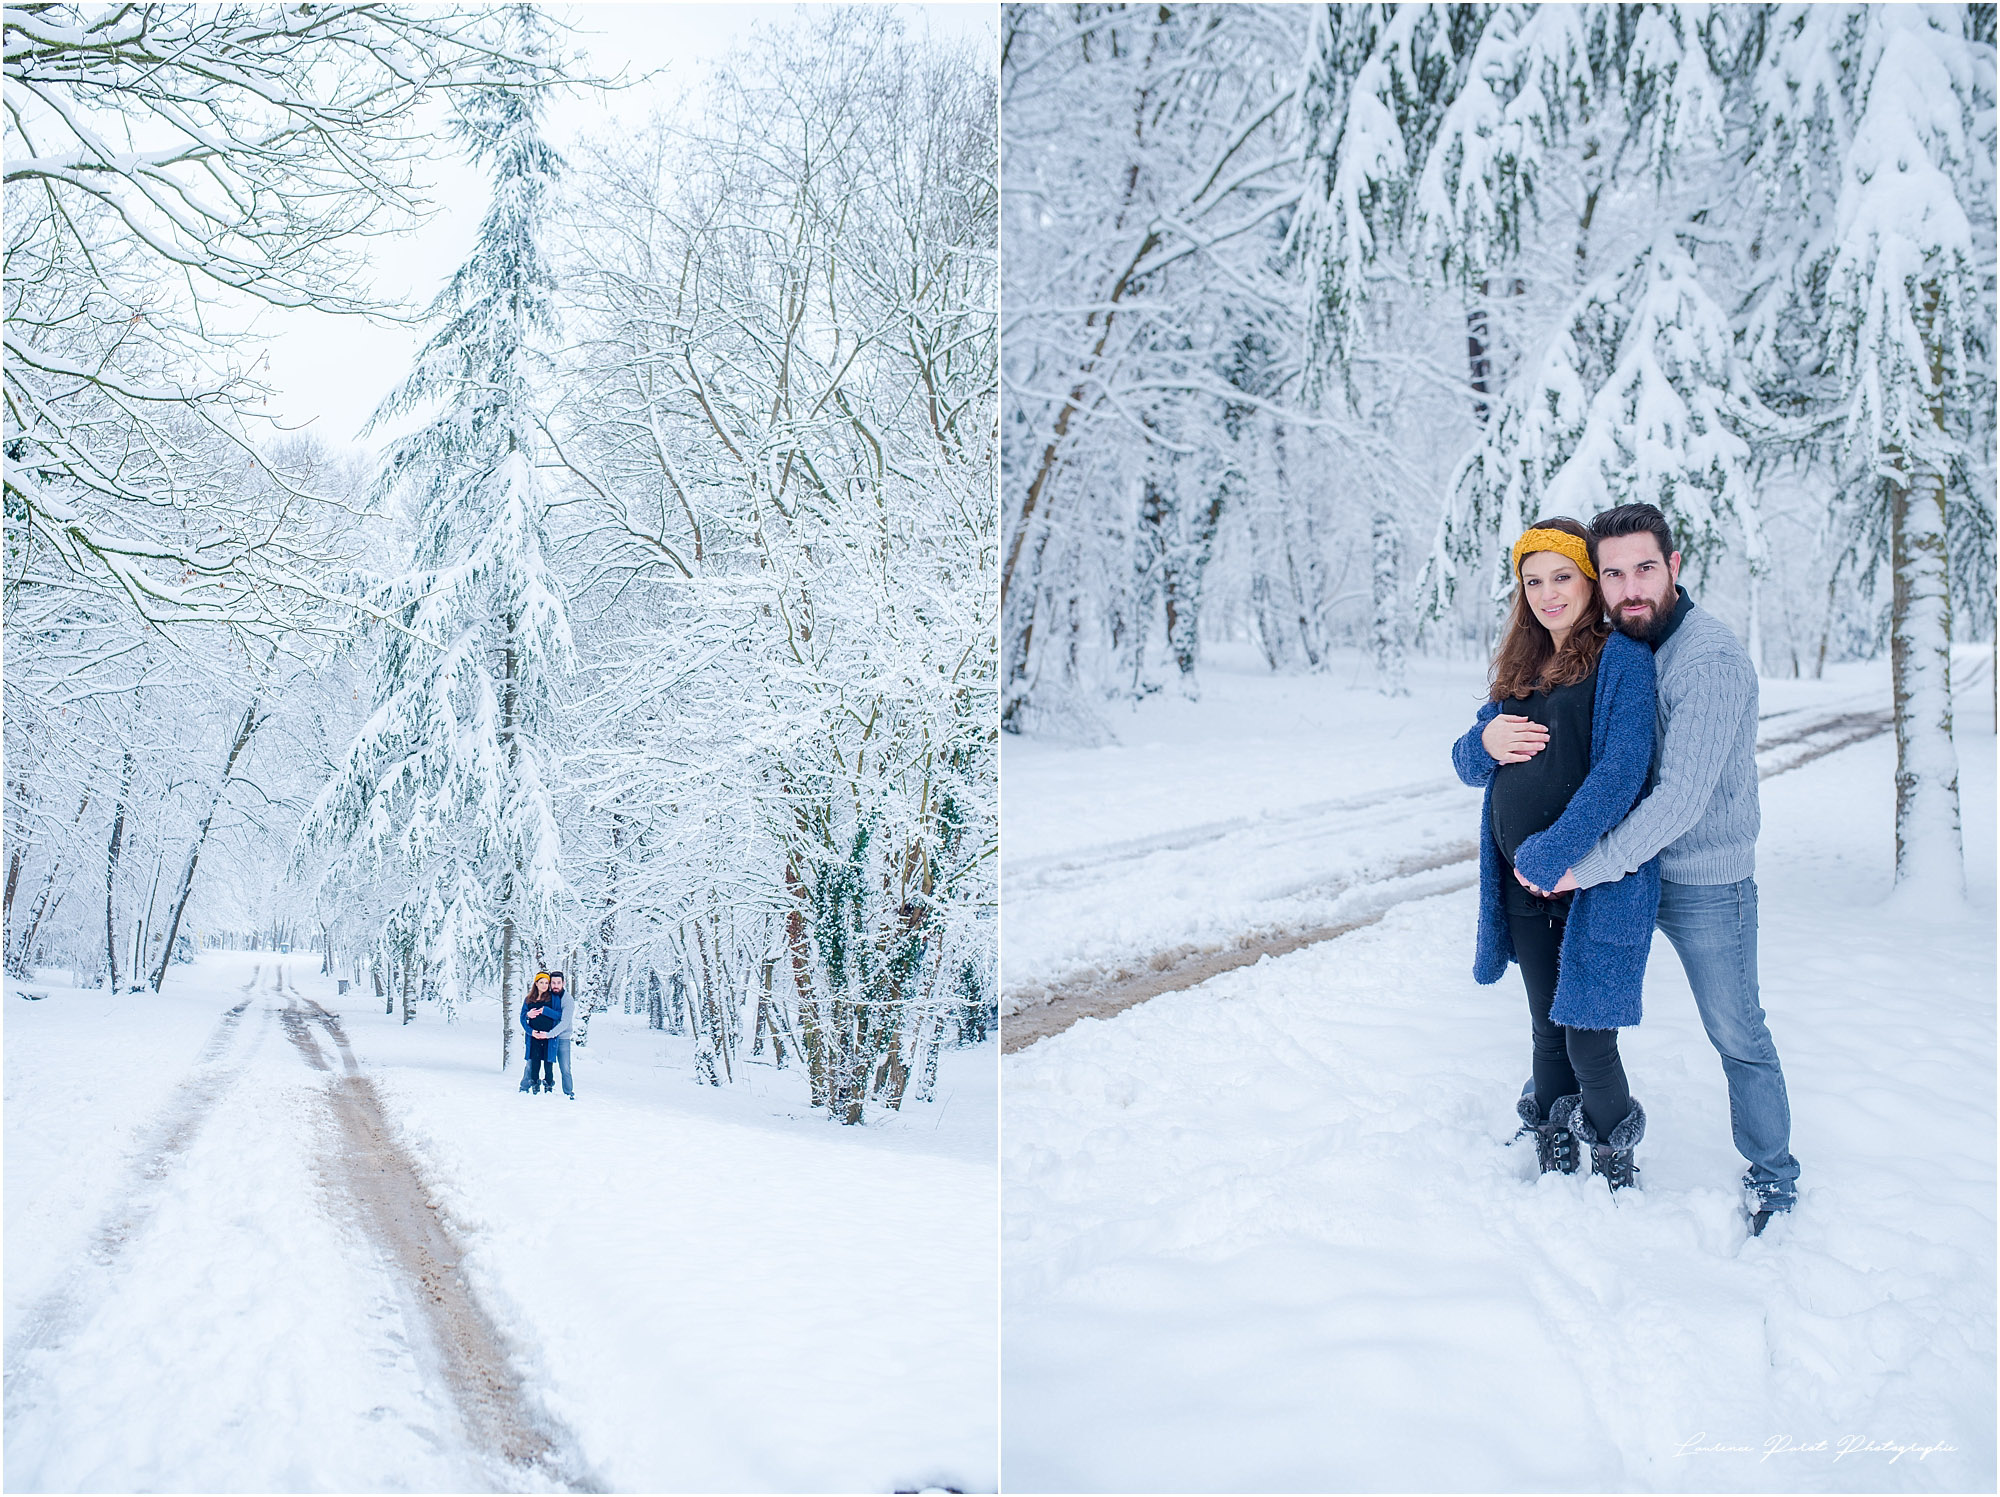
(1765, 1199)
(1555, 1145)
(1612, 1157)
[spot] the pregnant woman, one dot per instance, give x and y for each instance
(1563, 748)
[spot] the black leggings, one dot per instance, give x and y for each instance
(1566, 1060)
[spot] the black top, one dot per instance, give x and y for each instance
(1682, 603)
(1530, 797)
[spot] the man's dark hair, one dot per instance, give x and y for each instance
(1630, 519)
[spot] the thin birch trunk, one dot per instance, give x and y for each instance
(244, 730)
(111, 869)
(1929, 851)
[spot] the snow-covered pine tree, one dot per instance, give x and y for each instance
(1433, 134)
(1640, 397)
(1424, 132)
(447, 776)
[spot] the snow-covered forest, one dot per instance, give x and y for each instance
(651, 636)
(1308, 310)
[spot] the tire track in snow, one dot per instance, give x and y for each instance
(383, 1185)
(1056, 872)
(1372, 893)
(56, 1317)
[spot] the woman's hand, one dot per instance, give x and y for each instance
(1514, 740)
(1563, 885)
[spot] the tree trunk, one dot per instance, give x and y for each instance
(1390, 675)
(1017, 612)
(1478, 361)
(13, 883)
(142, 934)
(506, 993)
(812, 1042)
(1929, 847)
(1185, 564)
(21, 953)
(1018, 587)
(1929, 852)
(244, 729)
(707, 1038)
(767, 1018)
(1826, 624)
(111, 869)
(607, 935)
(1149, 544)
(508, 705)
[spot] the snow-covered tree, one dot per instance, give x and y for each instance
(174, 565)
(448, 780)
(167, 167)
(1642, 399)
(1875, 136)
(1148, 179)
(779, 433)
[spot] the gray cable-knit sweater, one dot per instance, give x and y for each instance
(1701, 816)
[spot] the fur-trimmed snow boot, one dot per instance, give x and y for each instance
(1612, 1157)
(1555, 1144)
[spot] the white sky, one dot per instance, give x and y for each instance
(330, 372)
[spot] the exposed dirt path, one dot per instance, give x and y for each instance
(468, 1353)
(1787, 746)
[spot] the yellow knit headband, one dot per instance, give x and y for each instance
(1554, 540)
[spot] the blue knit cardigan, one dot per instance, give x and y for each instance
(1602, 965)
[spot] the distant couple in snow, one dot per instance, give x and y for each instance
(545, 1018)
(1618, 752)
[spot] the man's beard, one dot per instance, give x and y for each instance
(1644, 628)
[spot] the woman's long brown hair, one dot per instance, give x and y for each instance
(1528, 660)
(536, 990)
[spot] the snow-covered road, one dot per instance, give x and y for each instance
(1268, 1234)
(263, 1238)
(229, 1322)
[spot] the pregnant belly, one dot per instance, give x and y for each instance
(1528, 798)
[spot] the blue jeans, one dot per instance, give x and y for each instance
(559, 1053)
(1714, 928)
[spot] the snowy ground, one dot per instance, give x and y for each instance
(689, 1289)
(1266, 1234)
